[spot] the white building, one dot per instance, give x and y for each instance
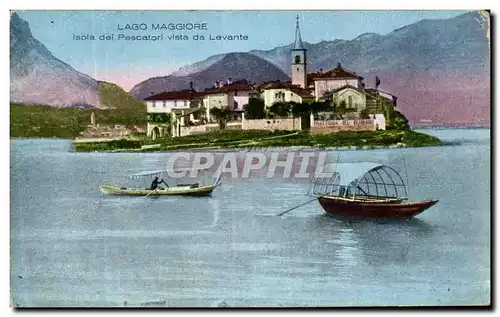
(175, 103)
(333, 80)
(168, 101)
(299, 60)
(232, 95)
(284, 92)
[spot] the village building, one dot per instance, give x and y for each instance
(176, 104)
(338, 83)
(299, 60)
(344, 87)
(189, 107)
(233, 95)
(168, 102)
(284, 92)
(335, 79)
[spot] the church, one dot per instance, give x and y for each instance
(190, 107)
(343, 86)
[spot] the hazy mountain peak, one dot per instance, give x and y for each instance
(203, 74)
(37, 77)
(19, 26)
(366, 36)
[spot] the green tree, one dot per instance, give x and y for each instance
(389, 111)
(165, 118)
(342, 106)
(319, 106)
(221, 115)
(300, 109)
(327, 96)
(328, 99)
(200, 114)
(255, 109)
(364, 114)
(195, 103)
(281, 109)
(398, 122)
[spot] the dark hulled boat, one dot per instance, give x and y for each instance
(367, 191)
(348, 208)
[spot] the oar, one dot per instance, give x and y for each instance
(218, 181)
(151, 193)
(308, 202)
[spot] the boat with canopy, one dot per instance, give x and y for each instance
(366, 190)
(200, 188)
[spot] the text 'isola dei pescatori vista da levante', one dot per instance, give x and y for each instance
(196, 31)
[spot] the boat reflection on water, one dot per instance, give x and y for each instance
(372, 242)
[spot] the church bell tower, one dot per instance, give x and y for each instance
(299, 60)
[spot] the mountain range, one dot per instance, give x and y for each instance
(232, 66)
(439, 69)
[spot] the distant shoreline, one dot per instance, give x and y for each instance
(450, 127)
(412, 127)
(258, 139)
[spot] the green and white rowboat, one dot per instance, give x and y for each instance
(195, 189)
(189, 190)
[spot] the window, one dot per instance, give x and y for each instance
(154, 104)
(164, 104)
(236, 93)
(349, 101)
(297, 69)
(297, 59)
(185, 103)
(175, 103)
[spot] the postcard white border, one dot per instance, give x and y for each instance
(191, 5)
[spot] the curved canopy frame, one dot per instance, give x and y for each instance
(363, 181)
(168, 173)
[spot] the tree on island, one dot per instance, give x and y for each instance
(342, 107)
(394, 119)
(195, 103)
(164, 118)
(398, 122)
(221, 115)
(364, 114)
(330, 101)
(281, 109)
(320, 106)
(300, 109)
(255, 109)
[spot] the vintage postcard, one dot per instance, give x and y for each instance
(250, 158)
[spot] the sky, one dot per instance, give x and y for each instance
(127, 62)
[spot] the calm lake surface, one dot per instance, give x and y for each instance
(73, 246)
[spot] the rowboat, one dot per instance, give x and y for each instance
(367, 191)
(192, 189)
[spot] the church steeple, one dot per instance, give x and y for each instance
(298, 45)
(299, 60)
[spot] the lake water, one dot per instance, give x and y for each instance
(73, 246)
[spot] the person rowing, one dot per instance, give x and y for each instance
(156, 182)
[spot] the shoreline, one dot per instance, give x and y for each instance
(413, 128)
(240, 140)
(269, 149)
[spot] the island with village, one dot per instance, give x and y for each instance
(328, 108)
